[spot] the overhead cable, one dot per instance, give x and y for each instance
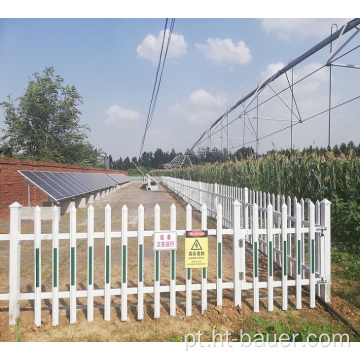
(155, 92)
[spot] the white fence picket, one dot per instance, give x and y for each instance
(285, 263)
(255, 235)
(15, 250)
(55, 266)
(236, 253)
(312, 253)
(173, 264)
(219, 236)
(203, 270)
(124, 244)
(107, 272)
(157, 266)
(289, 244)
(188, 271)
(298, 255)
(270, 252)
(37, 266)
(73, 265)
(141, 262)
(326, 252)
(90, 264)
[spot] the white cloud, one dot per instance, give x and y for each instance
(203, 98)
(122, 117)
(310, 84)
(303, 27)
(150, 47)
(318, 79)
(225, 52)
(310, 94)
(271, 70)
(201, 107)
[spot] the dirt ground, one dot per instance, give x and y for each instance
(166, 328)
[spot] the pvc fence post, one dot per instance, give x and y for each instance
(188, 271)
(236, 252)
(140, 262)
(302, 203)
(55, 266)
(124, 243)
(326, 249)
(318, 238)
(298, 253)
(290, 241)
(173, 264)
(245, 225)
(278, 222)
(312, 253)
(255, 235)
(107, 285)
(37, 266)
(270, 247)
(219, 255)
(204, 270)
(265, 220)
(90, 270)
(72, 265)
(284, 261)
(157, 267)
(14, 271)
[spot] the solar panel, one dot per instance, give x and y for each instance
(64, 185)
(120, 178)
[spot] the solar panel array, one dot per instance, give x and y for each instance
(120, 178)
(64, 185)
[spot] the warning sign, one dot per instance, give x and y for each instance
(165, 240)
(196, 249)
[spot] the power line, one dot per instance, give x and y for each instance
(158, 79)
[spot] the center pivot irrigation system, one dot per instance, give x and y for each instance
(280, 89)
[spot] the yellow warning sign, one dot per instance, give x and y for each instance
(196, 249)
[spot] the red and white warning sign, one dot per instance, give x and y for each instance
(165, 240)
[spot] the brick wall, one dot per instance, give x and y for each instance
(14, 187)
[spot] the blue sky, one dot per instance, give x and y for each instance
(211, 64)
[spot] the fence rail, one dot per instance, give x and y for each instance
(288, 236)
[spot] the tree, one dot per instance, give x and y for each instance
(44, 124)
(244, 153)
(127, 163)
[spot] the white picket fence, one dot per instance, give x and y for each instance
(301, 247)
(295, 235)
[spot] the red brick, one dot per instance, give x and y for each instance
(13, 186)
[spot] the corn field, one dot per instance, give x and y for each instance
(304, 175)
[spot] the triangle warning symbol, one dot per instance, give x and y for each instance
(196, 245)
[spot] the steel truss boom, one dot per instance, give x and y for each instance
(343, 30)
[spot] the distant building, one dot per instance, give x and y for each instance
(104, 159)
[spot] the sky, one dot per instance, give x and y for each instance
(112, 55)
